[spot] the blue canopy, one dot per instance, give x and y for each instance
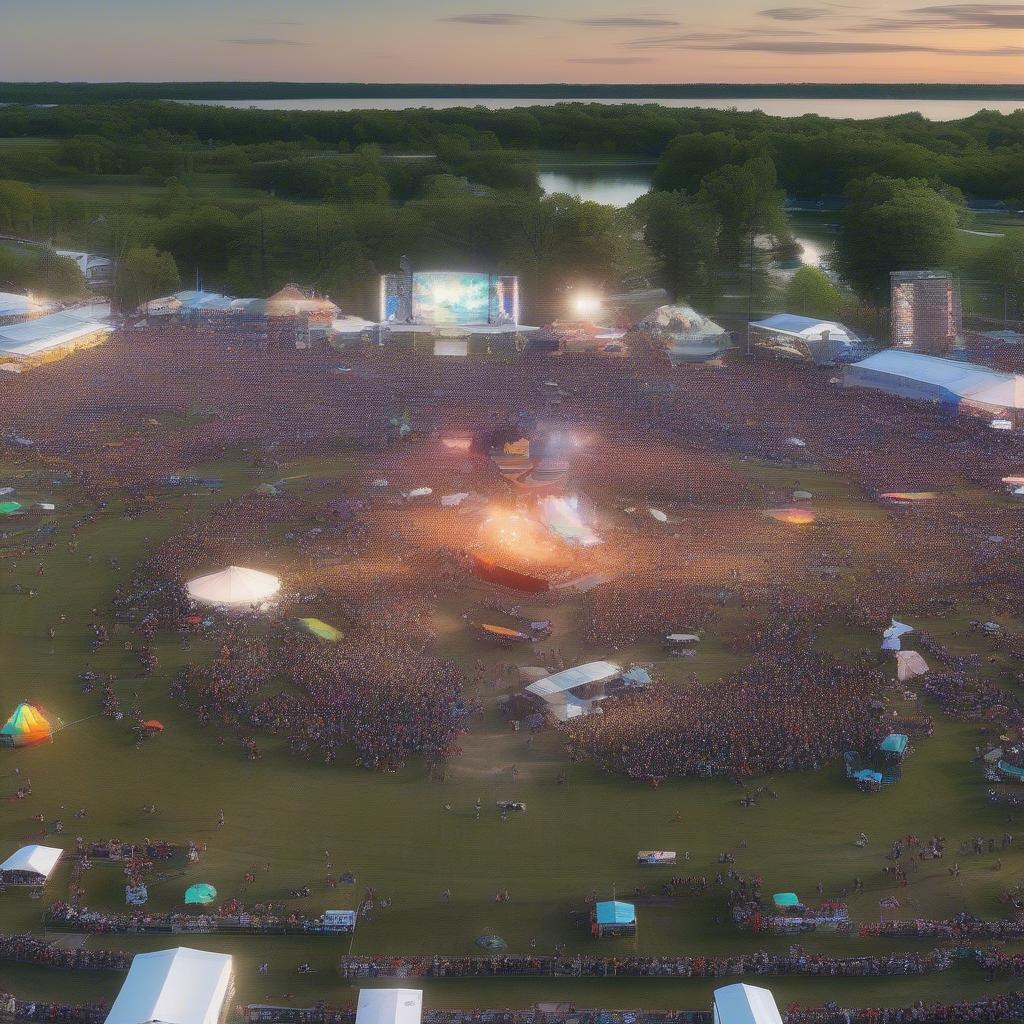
(615, 912)
(867, 775)
(894, 743)
(786, 899)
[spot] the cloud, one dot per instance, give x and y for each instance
(493, 18)
(270, 21)
(816, 46)
(608, 60)
(954, 16)
(794, 13)
(626, 22)
(264, 41)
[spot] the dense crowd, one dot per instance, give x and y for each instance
(28, 949)
(796, 962)
(789, 710)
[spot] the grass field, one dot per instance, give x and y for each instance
(393, 832)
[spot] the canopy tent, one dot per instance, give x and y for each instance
(614, 912)
(389, 1006)
(745, 1004)
(867, 775)
(895, 743)
(804, 338)
(553, 687)
(891, 635)
(8, 508)
(656, 513)
(202, 894)
(322, 629)
(688, 336)
(26, 726)
(786, 900)
(33, 863)
(234, 585)
(909, 664)
(173, 986)
(153, 726)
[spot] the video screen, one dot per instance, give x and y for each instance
(450, 297)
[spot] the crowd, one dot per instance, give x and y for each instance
(790, 710)
(28, 949)
(795, 962)
(962, 928)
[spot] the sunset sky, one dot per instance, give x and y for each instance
(529, 41)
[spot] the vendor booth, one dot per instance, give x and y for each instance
(745, 1004)
(31, 865)
(613, 918)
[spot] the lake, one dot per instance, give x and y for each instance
(614, 184)
(857, 109)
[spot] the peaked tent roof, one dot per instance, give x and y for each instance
(389, 1006)
(570, 678)
(173, 986)
(234, 585)
(954, 376)
(39, 859)
(806, 327)
(1004, 394)
(745, 1004)
(27, 725)
(30, 337)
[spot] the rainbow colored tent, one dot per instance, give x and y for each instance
(26, 726)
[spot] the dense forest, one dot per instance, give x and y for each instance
(245, 199)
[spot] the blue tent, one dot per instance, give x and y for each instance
(867, 775)
(894, 743)
(786, 899)
(614, 912)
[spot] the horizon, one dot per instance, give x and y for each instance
(733, 43)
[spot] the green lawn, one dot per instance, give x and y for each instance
(393, 831)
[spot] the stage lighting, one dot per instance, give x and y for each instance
(586, 304)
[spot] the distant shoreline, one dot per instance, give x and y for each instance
(102, 92)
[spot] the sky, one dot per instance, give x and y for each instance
(517, 41)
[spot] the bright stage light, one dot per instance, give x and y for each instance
(586, 304)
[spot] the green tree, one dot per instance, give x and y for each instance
(55, 276)
(810, 293)
(747, 199)
(682, 232)
(145, 273)
(893, 224)
(1002, 263)
(201, 239)
(689, 158)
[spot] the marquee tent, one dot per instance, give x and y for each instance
(745, 1004)
(909, 664)
(26, 726)
(389, 1006)
(173, 986)
(234, 585)
(553, 687)
(31, 865)
(787, 336)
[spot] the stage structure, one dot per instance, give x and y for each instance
(925, 311)
(451, 312)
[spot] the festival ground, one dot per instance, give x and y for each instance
(393, 831)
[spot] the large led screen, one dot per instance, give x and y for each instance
(451, 298)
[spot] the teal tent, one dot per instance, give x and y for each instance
(894, 743)
(786, 900)
(201, 894)
(8, 508)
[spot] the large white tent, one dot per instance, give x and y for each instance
(745, 1004)
(805, 338)
(173, 986)
(234, 585)
(32, 860)
(389, 1006)
(554, 687)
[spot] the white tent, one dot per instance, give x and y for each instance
(910, 664)
(35, 860)
(389, 1006)
(234, 585)
(173, 986)
(745, 1004)
(552, 687)
(891, 635)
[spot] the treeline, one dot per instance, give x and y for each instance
(982, 155)
(104, 92)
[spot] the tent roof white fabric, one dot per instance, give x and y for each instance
(31, 337)
(960, 379)
(806, 327)
(745, 1004)
(570, 678)
(234, 585)
(389, 1006)
(684, 323)
(910, 664)
(1004, 394)
(13, 304)
(40, 859)
(173, 986)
